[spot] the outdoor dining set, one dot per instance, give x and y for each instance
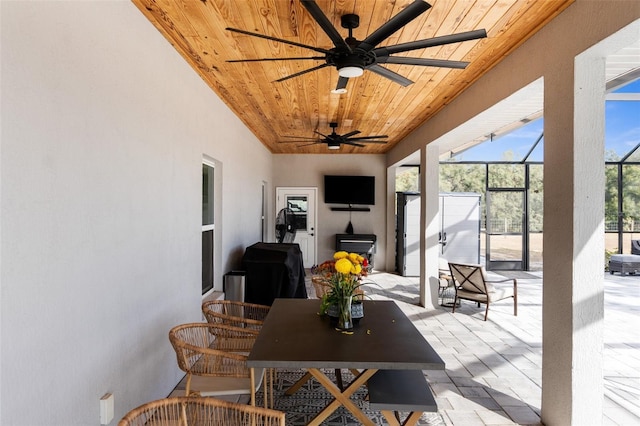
(242, 346)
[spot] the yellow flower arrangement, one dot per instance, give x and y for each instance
(344, 276)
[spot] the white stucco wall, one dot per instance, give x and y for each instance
(103, 131)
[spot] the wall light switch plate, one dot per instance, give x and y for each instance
(106, 409)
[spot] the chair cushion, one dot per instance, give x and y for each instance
(631, 258)
(471, 295)
(212, 386)
(444, 283)
(496, 293)
(499, 293)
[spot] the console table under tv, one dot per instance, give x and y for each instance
(364, 244)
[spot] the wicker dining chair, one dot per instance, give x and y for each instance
(322, 286)
(236, 313)
(194, 411)
(214, 356)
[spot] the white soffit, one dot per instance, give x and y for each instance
(526, 105)
(518, 109)
(623, 67)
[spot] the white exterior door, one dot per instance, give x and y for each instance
(411, 236)
(302, 201)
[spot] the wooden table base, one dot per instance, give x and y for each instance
(341, 397)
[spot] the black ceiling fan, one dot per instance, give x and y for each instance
(334, 140)
(351, 57)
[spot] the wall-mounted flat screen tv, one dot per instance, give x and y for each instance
(350, 190)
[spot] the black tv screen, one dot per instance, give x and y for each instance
(350, 190)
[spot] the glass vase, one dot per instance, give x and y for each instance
(345, 322)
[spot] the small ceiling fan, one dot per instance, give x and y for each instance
(351, 57)
(334, 140)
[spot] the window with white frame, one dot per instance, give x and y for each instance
(208, 226)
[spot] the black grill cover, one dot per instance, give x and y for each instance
(273, 270)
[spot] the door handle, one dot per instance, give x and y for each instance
(442, 238)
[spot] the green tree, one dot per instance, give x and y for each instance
(407, 179)
(536, 197)
(462, 178)
(631, 197)
(611, 197)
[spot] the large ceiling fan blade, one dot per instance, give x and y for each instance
(315, 58)
(366, 141)
(405, 16)
(300, 139)
(293, 43)
(326, 25)
(342, 84)
(361, 138)
(312, 143)
(352, 133)
(442, 63)
(430, 42)
(321, 134)
(302, 72)
(352, 143)
(393, 76)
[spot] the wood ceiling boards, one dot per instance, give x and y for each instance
(374, 105)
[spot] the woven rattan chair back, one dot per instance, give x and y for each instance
(212, 350)
(235, 313)
(193, 411)
(321, 286)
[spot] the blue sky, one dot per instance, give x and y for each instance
(622, 133)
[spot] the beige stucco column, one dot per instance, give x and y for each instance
(573, 293)
(573, 297)
(429, 220)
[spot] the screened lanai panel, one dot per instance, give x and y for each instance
(506, 176)
(505, 230)
(631, 198)
(611, 200)
(535, 215)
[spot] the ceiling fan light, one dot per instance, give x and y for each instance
(334, 145)
(339, 91)
(350, 71)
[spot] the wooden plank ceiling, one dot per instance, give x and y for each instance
(374, 105)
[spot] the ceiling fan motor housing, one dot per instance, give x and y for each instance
(350, 21)
(341, 57)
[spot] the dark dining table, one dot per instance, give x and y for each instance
(294, 335)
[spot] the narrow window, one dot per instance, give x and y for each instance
(263, 214)
(207, 227)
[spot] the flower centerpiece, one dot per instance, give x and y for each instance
(342, 278)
